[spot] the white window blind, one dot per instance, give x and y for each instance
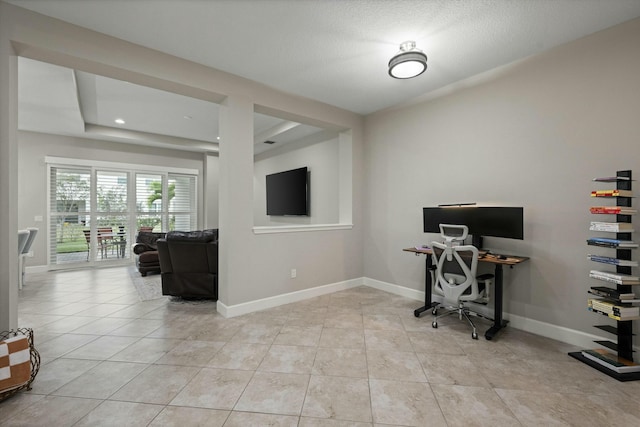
(182, 204)
(70, 209)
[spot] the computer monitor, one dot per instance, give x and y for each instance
(490, 221)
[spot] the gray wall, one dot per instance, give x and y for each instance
(533, 134)
(245, 269)
(322, 161)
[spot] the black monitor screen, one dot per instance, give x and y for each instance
(288, 192)
(490, 221)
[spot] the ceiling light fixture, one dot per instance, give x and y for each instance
(119, 121)
(408, 63)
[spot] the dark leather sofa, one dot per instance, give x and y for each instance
(189, 263)
(146, 251)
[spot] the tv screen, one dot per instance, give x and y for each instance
(490, 221)
(288, 192)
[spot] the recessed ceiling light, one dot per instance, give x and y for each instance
(119, 121)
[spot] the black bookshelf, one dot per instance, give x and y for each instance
(623, 331)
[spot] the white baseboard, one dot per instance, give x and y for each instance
(36, 269)
(275, 301)
(559, 333)
(394, 289)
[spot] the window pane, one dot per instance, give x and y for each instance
(149, 222)
(69, 206)
(111, 236)
(149, 193)
(111, 191)
(182, 202)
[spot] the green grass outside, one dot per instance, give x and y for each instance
(71, 246)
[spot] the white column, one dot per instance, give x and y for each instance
(211, 180)
(8, 178)
(235, 202)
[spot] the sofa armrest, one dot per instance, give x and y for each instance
(139, 248)
(164, 257)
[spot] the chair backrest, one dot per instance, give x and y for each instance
(23, 236)
(456, 265)
(32, 235)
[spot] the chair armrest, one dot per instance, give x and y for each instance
(485, 277)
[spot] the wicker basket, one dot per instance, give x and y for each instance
(35, 360)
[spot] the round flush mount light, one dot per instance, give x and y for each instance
(408, 63)
(119, 121)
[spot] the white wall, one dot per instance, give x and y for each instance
(322, 161)
(533, 134)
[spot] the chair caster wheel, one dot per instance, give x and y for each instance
(474, 335)
(434, 311)
(434, 325)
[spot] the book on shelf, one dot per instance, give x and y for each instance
(613, 316)
(612, 193)
(611, 179)
(610, 307)
(619, 210)
(611, 293)
(612, 260)
(633, 302)
(611, 243)
(611, 360)
(616, 278)
(616, 227)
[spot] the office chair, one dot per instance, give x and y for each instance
(455, 275)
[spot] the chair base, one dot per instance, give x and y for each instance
(462, 312)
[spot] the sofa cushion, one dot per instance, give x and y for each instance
(148, 257)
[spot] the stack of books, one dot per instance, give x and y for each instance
(613, 260)
(611, 361)
(611, 309)
(612, 193)
(617, 278)
(616, 227)
(617, 210)
(613, 294)
(611, 243)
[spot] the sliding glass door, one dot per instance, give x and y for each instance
(95, 213)
(69, 215)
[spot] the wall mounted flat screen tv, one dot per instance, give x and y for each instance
(288, 193)
(489, 221)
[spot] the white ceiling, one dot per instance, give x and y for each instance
(333, 51)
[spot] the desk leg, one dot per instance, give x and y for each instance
(428, 305)
(498, 323)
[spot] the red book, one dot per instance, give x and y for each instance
(612, 193)
(623, 210)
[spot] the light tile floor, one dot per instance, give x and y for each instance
(352, 358)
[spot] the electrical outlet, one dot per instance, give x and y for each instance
(294, 273)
